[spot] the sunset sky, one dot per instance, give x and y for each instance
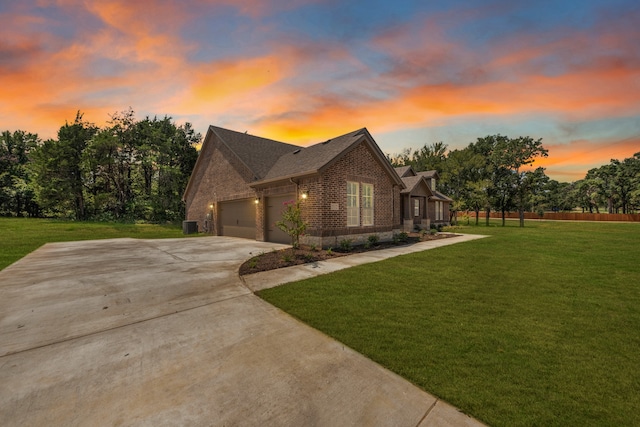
(302, 71)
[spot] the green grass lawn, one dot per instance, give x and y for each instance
(537, 326)
(19, 236)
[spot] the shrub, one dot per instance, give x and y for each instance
(345, 245)
(403, 237)
(253, 262)
(292, 222)
(330, 251)
(373, 239)
(287, 257)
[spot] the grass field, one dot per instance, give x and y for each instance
(19, 236)
(534, 326)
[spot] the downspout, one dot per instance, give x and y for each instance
(296, 184)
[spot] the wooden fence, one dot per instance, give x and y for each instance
(563, 216)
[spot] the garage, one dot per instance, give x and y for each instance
(237, 218)
(275, 206)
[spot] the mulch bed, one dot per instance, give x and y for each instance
(266, 261)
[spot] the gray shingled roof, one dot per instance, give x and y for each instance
(428, 174)
(411, 182)
(402, 170)
(313, 158)
(258, 154)
(439, 196)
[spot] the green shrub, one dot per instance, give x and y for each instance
(373, 239)
(345, 245)
(292, 222)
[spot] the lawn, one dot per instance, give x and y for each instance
(533, 326)
(19, 236)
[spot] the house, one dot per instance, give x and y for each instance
(241, 183)
(421, 203)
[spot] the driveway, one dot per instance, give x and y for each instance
(163, 332)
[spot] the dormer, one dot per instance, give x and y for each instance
(431, 177)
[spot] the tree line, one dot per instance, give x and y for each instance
(493, 174)
(138, 169)
(127, 170)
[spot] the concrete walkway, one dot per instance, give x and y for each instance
(163, 332)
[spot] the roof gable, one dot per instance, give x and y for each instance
(413, 182)
(429, 174)
(404, 171)
(258, 154)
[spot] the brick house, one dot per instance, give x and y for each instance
(348, 188)
(422, 204)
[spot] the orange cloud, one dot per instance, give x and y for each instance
(571, 161)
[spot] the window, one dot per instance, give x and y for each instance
(416, 207)
(353, 208)
(439, 211)
(367, 204)
(433, 184)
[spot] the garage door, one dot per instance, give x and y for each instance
(275, 206)
(238, 218)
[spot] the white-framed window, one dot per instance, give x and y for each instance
(367, 204)
(353, 206)
(433, 184)
(416, 207)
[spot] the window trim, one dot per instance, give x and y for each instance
(352, 185)
(368, 211)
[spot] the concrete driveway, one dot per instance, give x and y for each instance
(163, 332)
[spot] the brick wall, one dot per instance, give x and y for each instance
(220, 176)
(329, 191)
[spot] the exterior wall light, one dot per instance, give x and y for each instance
(211, 206)
(305, 194)
(256, 201)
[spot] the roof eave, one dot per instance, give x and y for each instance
(282, 179)
(196, 165)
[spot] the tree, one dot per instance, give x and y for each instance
(292, 222)
(16, 193)
(461, 170)
(509, 156)
(57, 173)
(139, 169)
(429, 157)
(530, 190)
